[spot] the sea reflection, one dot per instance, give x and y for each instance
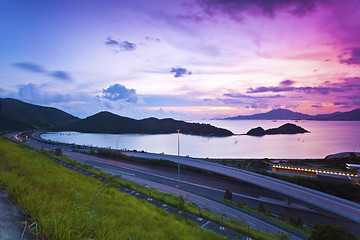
(325, 137)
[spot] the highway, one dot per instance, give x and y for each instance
(212, 187)
(157, 178)
(163, 180)
(339, 206)
(202, 188)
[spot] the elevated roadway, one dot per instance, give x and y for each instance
(347, 209)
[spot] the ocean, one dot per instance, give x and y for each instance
(324, 138)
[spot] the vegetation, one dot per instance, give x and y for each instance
(16, 115)
(61, 203)
(330, 232)
(106, 122)
(228, 195)
(287, 128)
(286, 220)
(334, 163)
(345, 190)
(58, 152)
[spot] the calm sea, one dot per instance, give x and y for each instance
(325, 137)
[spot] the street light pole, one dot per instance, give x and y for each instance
(116, 144)
(178, 158)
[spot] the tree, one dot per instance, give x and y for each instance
(331, 232)
(58, 152)
(261, 208)
(228, 195)
(282, 236)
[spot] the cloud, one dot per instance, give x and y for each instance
(33, 93)
(237, 95)
(152, 39)
(122, 46)
(36, 68)
(270, 89)
(61, 75)
(287, 82)
(247, 100)
(31, 67)
(269, 8)
(317, 106)
(307, 90)
(119, 92)
(180, 72)
(350, 56)
(340, 103)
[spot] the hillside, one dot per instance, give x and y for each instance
(106, 122)
(16, 115)
(287, 128)
(284, 114)
(353, 115)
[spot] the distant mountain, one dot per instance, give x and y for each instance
(284, 114)
(278, 114)
(16, 115)
(106, 122)
(287, 128)
(353, 115)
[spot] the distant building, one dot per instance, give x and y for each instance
(333, 177)
(320, 173)
(354, 168)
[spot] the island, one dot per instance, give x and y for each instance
(287, 128)
(107, 122)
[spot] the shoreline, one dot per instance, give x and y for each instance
(37, 136)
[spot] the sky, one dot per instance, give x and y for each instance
(185, 59)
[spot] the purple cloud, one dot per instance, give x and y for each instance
(36, 68)
(237, 95)
(31, 67)
(340, 103)
(119, 92)
(307, 90)
(350, 56)
(316, 106)
(152, 39)
(122, 46)
(269, 8)
(287, 82)
(180, 72)
(61, 75)
(33, 93)
(270, 89)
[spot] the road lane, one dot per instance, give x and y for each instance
(84, 157)
(342, 207)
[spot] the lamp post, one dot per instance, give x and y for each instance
(117, 144)
(178, 158)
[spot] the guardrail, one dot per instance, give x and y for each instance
(296, 196)
(170, 199)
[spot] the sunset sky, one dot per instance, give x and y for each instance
(183, 59)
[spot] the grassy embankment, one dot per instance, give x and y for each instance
(286, 220)
(61, 203)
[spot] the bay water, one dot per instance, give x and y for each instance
(324, 138)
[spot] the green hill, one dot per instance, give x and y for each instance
(16, 115)
(106, 122)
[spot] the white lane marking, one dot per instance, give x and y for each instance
(115, 171)
(202, 226)
(190, 183)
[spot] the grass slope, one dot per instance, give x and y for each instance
(60, 202)
(16, 115)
